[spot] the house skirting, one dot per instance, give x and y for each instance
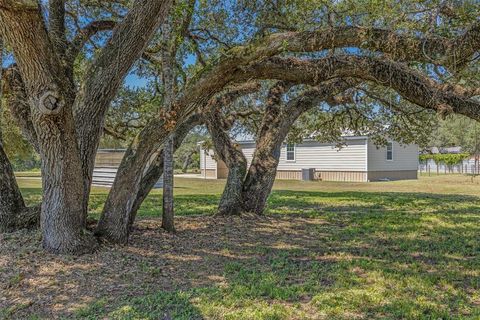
(347, 176)
(392, 175)
(288, 175)
(352, 176)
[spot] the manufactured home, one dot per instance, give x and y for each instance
(358, 160)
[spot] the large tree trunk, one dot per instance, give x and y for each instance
(263, 169)
(51, 97)
(63, 218)
(106, 74)
(232, 155)
(231, 200)
(261, 174)
(133, 177)
(114, 221)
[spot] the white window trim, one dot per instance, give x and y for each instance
(294, 152)
(386, 151)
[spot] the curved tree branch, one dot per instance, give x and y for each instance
(85, 34)
(411, 84)
(452, 53)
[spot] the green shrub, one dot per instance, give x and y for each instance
(448, 159)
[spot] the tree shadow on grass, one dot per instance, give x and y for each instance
(344, 255)
(185, 205)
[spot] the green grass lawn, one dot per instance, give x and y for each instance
(326, 250)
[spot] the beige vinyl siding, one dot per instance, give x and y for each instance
(206, 160)
(327, 157)
(248, 149)
(404, 157)
(208, 165)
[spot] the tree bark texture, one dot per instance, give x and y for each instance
(67, 123)
(228, 151)
(16, 99)
(232, 155)
(114, 221)
(51, 98)
(168, 76)
(263, 169)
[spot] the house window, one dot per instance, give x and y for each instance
(290, 152)
(390, 151)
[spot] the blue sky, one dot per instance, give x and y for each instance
(134, 81)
